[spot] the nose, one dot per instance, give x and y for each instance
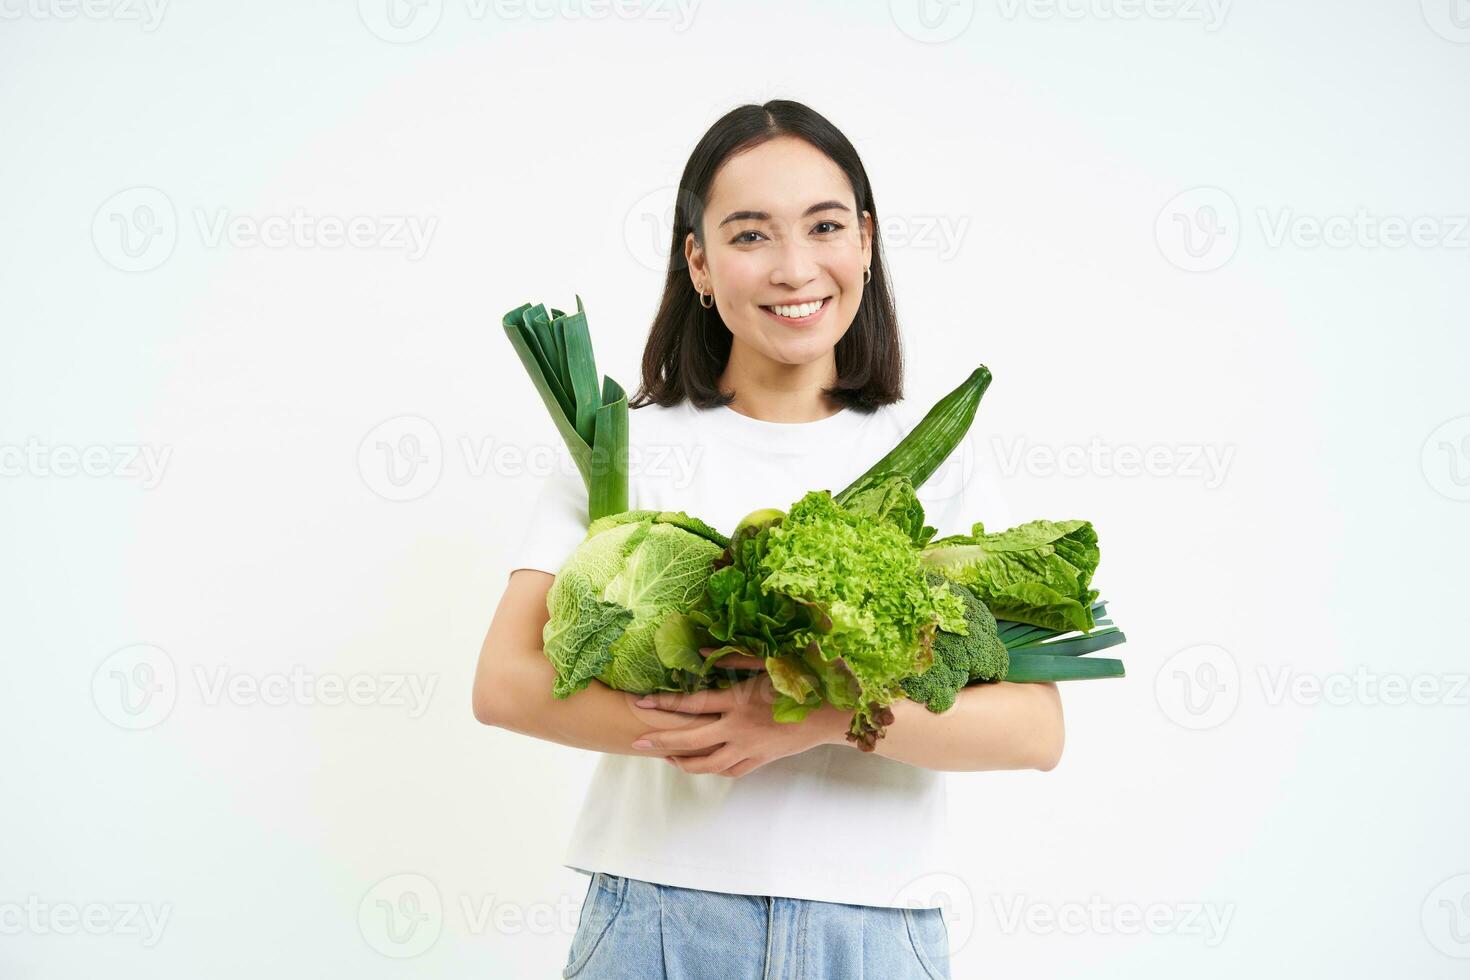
(796, 265)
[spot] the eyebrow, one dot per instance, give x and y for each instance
(764, 216)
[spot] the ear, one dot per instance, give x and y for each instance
(695, 260)
(867, 235)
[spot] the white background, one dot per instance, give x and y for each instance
(1037, 170)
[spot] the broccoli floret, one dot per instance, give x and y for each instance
(978, 655)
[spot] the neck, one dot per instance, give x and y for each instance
(774, 392)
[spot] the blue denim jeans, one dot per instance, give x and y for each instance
(637, 930)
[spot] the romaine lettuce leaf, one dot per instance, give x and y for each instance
(1038, 573)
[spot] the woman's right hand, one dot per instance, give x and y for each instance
(663, 720)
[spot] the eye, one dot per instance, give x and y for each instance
(740, 239)
(835, 225)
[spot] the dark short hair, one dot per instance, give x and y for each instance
(688, 345)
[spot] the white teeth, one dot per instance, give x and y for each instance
(797, 312)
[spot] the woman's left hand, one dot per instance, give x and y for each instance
(744, 736)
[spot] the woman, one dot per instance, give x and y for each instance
(721, 843)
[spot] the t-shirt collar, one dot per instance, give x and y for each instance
(724, 423)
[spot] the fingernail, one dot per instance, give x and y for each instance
(646, 702)
(671, 762)
(643, 743)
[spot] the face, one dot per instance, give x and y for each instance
(781, 228)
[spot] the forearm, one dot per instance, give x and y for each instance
(990, 726)
(517, 697)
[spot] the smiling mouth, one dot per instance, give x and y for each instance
(808, 317)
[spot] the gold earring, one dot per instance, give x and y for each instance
(710, 304)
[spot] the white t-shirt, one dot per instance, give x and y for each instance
(833, 823)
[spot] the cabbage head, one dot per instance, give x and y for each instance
(629, 573)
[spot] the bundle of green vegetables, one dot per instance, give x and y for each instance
(848, 597)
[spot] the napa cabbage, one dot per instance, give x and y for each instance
(629, 573)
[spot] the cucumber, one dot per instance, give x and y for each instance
(923, 450)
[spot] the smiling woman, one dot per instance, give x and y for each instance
(773, 364)
(775, 290)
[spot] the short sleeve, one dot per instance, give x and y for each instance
(556, 525)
